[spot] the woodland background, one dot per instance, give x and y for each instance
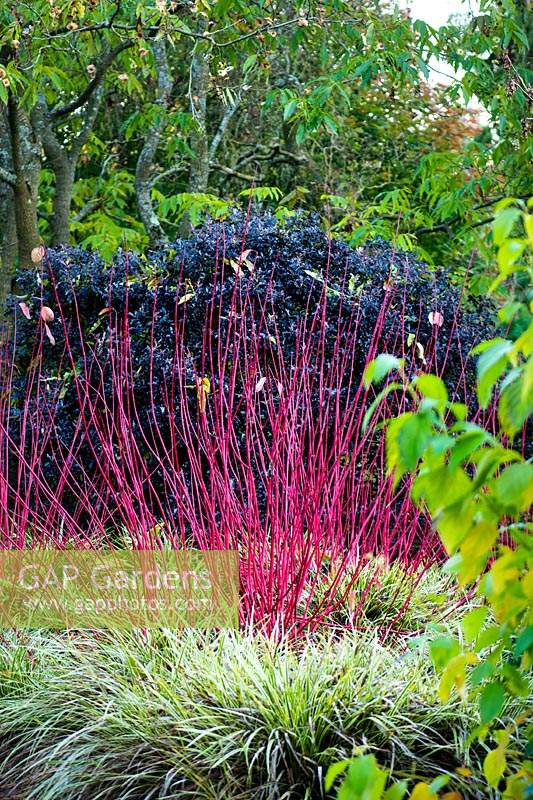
(124, 123)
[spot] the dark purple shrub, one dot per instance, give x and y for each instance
(209, 395)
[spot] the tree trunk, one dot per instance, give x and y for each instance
(199, 174)
(26, 165)
(199, 85)
(63, 164)
(8, 227)
(64, 182)
(145, 162)
(8, 248)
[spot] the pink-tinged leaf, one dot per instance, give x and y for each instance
(37, 254)
(50, 335)
(106, 310)
(260, 384)
(47, 314)
(436, 318)
(25, 310)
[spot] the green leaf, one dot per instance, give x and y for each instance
(494, 766)
(364, 780)
(514, 488)
(249, 62)
(515, 682)
(377, 369)
(509, 253)
(459, 410)
(390, 387)
(476, 548)
(442, 650)
(433, 387)
(489, 459)
(330, 124)
(290, 109)
(481, 673)
(300, 133)
(491, 702)
(528, 225)
(488, 637)
(473, 622)
(395, 464)
(503, 224)
(396, 792)
(514, 407)
(466, 444)
(339, 768)
(524, 642)
(490, 367)
(413, 437)
(439, 783)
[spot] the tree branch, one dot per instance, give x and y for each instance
(446, 226)
(234, 173)
(88, 209)
(103, 65)
(40, 119)
(224, 122)
(161, 176)
(90, 116)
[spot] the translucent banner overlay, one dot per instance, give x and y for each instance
(119, 589)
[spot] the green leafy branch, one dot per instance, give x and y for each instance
(479, 492)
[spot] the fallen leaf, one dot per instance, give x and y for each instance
(464, 771)
(47, 314)
(49, 334)
(436, 318)
(37, 254)
(203, 388)
(420, 352)
(237, 267)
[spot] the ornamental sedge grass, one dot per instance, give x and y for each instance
(227, 716)
(254, 445)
